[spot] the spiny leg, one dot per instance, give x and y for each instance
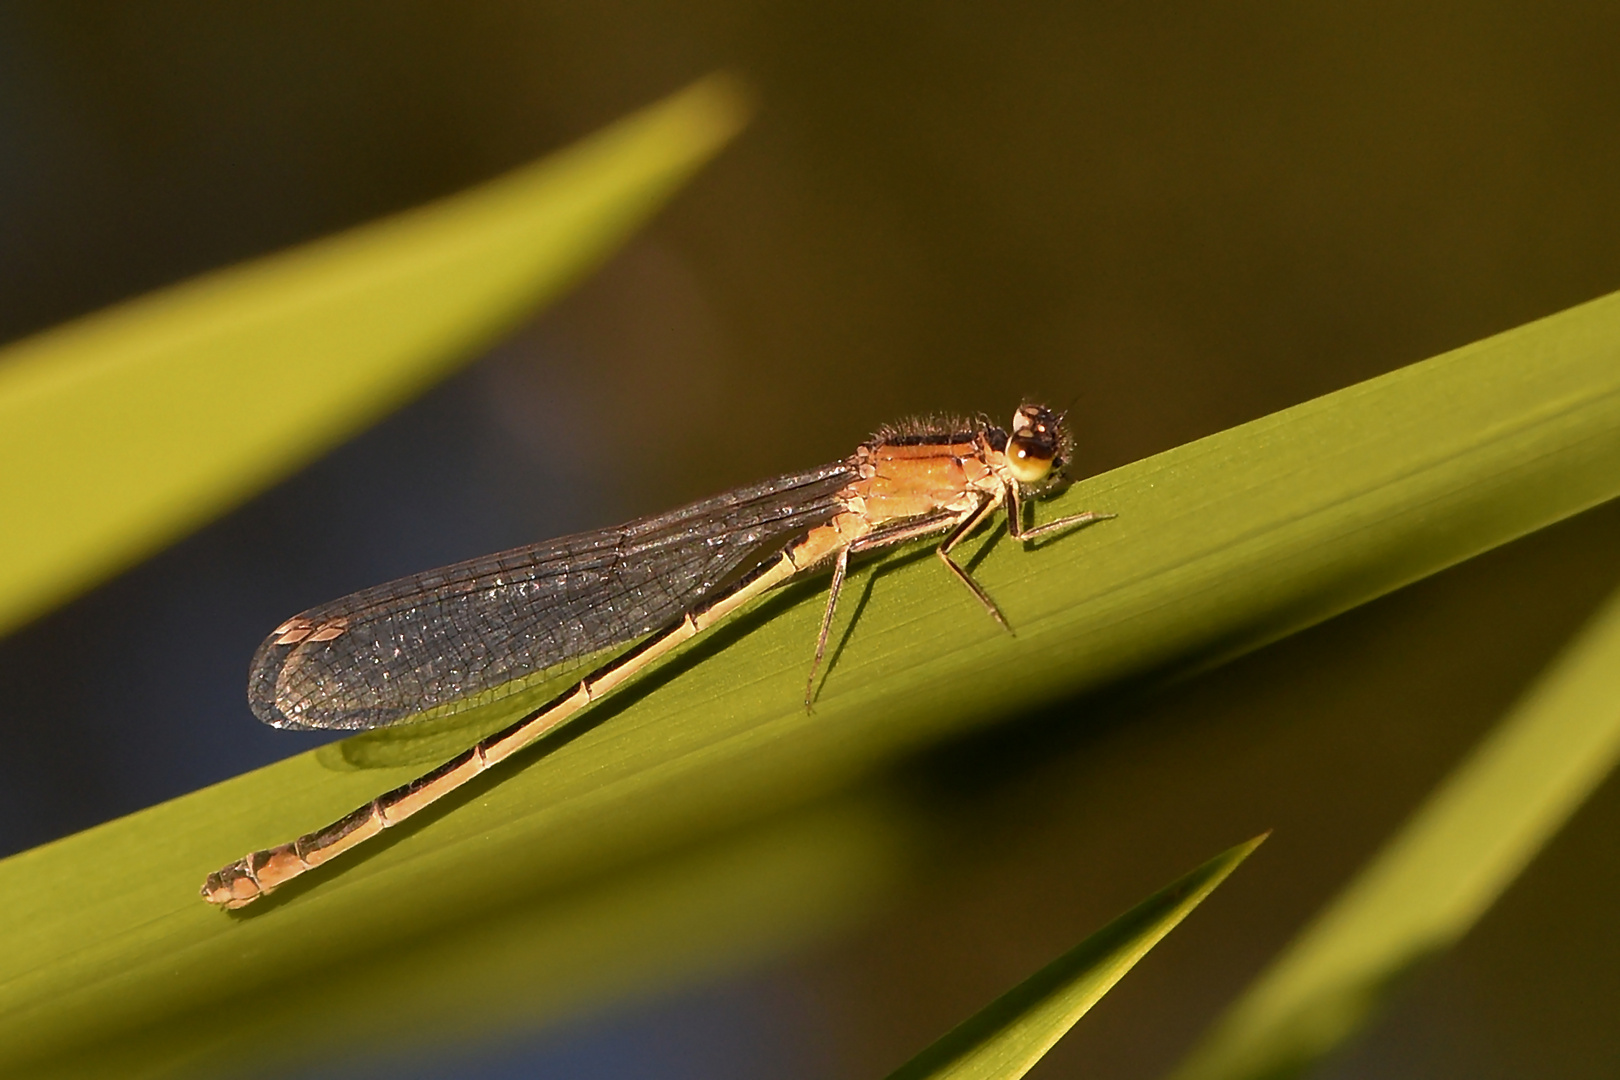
(969, 523)
(887, 537)
(1015, 519)
(840, 569)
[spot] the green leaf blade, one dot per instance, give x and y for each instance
(1437, 876)
(1221, 546)
(1006, 1038)
(125, 429)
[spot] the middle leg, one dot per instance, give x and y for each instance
(840, 569)
(911, 530)
(1015, 519)
(970, 522)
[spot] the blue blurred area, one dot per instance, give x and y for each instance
(730, 1031)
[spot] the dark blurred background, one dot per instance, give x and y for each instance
(1180, 216)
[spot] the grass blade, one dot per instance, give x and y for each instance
(1005, 1039)
(1221, 545)
(124, 430)
(1437, 876)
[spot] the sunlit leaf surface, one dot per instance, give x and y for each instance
(1220, 546)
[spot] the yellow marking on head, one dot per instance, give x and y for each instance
(1026, 465)
(1036, 441)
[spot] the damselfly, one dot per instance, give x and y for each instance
(425, 643)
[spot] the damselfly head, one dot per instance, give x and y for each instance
(1038, 446)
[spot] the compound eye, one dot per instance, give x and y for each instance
(1033, 444)
(1029, 460)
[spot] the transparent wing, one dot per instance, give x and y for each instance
(461, 633)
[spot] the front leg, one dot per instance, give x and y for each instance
(1015, 518)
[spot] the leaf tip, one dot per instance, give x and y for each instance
(715, 107)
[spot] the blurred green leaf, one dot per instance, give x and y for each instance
(1220, 546)
(1012, 1033)
(124, 430)
(1437, 876)
(701, 912)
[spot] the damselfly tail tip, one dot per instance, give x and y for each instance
(232, 887)
(247, 879)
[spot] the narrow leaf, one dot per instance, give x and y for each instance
(1437, 876)
(1012, 1033)
(125, 429)
(1220, 546)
